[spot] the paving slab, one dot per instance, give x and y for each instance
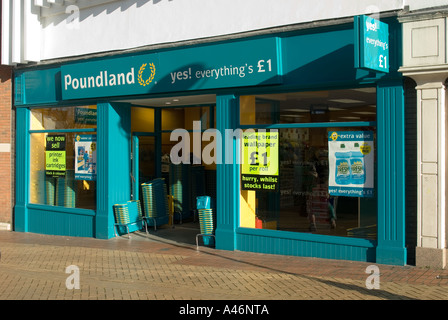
(155, 267)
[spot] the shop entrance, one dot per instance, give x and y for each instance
(153, 122)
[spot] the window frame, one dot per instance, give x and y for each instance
(273, 126)
(30, 131)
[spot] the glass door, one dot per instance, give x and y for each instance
(144, 165)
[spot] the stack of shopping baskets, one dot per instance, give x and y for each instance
(155, 203)
(180, 187)
(128, 217)
(60, 191)
(50, 188)
(122, 220)
(121, 212)
(206, 220)
(65, 190)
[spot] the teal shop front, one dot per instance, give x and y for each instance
(303, 85)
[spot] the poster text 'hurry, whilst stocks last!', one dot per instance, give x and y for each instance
(259, 170)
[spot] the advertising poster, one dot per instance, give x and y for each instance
(85, 115)
(260, 160)
(85, 151)
(351, 163)
(55, 156)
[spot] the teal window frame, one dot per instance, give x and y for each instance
(37, 206)
(278, 237)
(345, 124)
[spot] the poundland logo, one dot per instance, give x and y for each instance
(141, 80)
(106, 78)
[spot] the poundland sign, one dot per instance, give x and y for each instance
(245, 63)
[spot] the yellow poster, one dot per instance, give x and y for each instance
(55, 155)
(260, 162)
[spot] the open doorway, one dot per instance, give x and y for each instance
(152, 122)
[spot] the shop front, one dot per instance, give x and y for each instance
(300, 149)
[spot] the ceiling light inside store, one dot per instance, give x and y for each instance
(367, 90)
(364, 112)
(296, 110)
(346, 101)
(353, 118)
(292, 115)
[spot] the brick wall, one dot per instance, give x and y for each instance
(6, 150)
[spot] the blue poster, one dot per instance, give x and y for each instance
(85, 153)
(351, 163)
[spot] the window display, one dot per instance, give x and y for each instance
(63, 164)
(321, 190)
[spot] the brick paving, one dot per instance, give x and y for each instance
(33, 267)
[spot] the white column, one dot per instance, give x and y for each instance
(431, 155)
(425, 60)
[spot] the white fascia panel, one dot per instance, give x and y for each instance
(17, 31)
(6, 32)
(42, 3)
(108, 25)
(56, 8)
(56, 2)
(424, 4)
(32, 32)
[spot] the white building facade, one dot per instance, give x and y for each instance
(44, 30)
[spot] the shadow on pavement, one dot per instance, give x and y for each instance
(183, 236)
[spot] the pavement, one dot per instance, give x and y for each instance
(165, 265)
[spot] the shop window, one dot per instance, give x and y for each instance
(188, 119)
(305, 193)
(63, 163)
(183, 117)
(142, 119)
(78, 117)
(349, 105)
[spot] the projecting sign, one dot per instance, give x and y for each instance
(371, 44)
